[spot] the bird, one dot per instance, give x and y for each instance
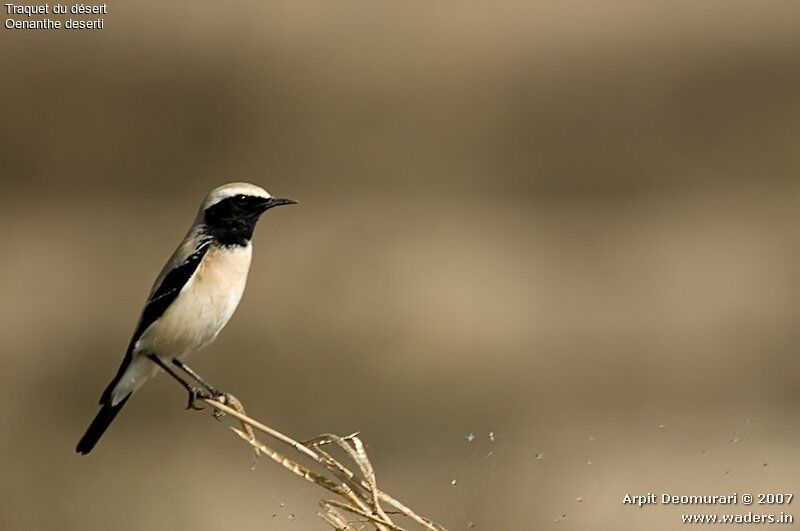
(192, 299)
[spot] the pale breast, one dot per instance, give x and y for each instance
(204, 305)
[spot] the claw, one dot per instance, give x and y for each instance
(223, 397)
(195, 394)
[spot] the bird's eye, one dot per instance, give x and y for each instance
(241, 199)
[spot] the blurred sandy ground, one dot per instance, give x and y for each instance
(571, 224)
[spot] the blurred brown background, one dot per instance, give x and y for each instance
(573, 225)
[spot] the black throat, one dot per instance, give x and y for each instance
(231, 222)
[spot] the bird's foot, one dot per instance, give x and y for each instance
(222, 397)
(195, 394)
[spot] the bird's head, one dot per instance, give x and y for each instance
(230, 212)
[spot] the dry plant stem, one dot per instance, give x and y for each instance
(304, 472)
(342, 490)
(346, 475)
(335, 519)
(296, 468)
(358, 454)
(261, 427)
(363, 495)
(359, 512)
(341, 472)
(237, 405)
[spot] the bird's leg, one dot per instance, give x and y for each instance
(191, 372)
(194, 391)
(216, 394)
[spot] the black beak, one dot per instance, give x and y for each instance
(273, 202)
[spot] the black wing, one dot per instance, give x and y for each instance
(157, 304)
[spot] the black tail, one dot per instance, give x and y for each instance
(98, 426)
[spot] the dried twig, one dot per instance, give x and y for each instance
(361, 495)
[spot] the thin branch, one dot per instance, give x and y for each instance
(359, 512)
(362, 496)
(261, 427)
